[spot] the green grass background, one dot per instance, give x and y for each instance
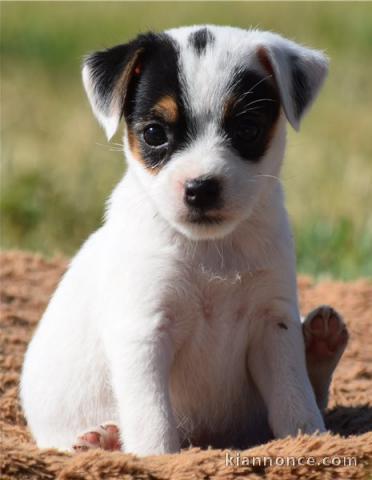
(58, 169)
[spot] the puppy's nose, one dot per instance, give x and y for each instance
(203, 193)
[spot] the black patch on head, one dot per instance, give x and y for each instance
(159, 78)
(249, 121)
(200, 39)
(300, 85)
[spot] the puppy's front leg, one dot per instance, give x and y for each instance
(140, 362)
(276, 361)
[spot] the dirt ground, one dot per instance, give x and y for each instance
(27, 281)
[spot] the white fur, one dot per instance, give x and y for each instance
(171, 329)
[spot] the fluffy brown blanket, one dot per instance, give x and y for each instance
(26, 283)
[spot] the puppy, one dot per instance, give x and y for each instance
(178, 320)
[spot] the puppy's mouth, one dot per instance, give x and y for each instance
(199, 224)
(198, 217)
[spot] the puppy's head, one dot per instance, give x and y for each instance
(205, 111)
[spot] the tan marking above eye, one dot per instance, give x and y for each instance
(168, 108)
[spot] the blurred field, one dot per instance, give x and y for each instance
(58, 169)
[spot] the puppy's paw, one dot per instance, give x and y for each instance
(106, 437)
(325, 335)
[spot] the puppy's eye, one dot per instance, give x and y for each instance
(248, 133)
(155, 135)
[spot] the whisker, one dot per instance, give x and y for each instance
(104, 145)
(109, 147)
(251, 90)
(261, 100)
(260, 81)
(252, 103)
(267, 176)
(254, 109)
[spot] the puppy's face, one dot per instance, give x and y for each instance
(203, 106)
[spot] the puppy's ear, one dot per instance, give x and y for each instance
(107, 76)
(298, 71)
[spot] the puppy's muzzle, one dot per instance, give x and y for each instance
(203, 193)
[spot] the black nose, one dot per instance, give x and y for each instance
(203, 193)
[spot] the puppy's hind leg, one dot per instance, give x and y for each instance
(326, 337)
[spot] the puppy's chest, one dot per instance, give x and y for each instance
(215, 310)
(223, 300)
(214, 325)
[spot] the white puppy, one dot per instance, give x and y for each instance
(178, 319)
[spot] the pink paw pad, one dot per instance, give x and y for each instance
(325, 333)
(106, 437)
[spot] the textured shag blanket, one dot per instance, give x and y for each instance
(26, 283)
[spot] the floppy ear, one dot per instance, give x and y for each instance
(106, 78)
(299, 73)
